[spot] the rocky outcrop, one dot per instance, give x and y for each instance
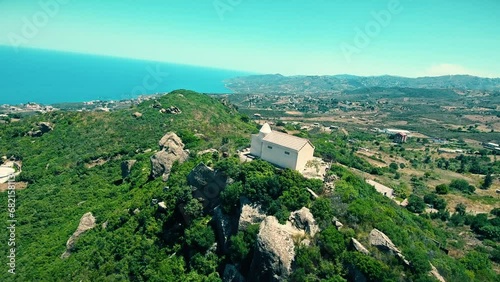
(274, 251)
(171, 150)
(42, 128)
(207, 185)
(304, 220)
(384, 243)
(137, 115)
(87, 222)
(225, 228)
(126, 167)
(434, 272)
(359, 247)
(231, 274)
(249, 214)
(208, 151)
(171, 110)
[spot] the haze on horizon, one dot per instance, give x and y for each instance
(395, 37)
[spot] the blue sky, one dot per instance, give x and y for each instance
(398, 37)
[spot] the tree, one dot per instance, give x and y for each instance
(393, 166)
(488, 180)
(322, 209)
(462, 185)
(331, 242)
(460, 209)
(442, 189)
(495, 212)
(415, 204)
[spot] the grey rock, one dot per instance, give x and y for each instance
(225, 228)
(207, 185)
(249, 214)
(87, 222)
(274, 251)
(359, 247)
(303, 219)
(171, 150)
(384, 243)
(231, 274)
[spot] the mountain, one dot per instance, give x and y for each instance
(276, 83)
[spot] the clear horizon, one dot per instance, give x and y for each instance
(367, 38)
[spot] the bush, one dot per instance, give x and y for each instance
(415, 204)
(442, 189)
(462, 185)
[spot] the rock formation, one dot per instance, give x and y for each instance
(225, 228)
(304, 220)
(126, 167)
(137, 115)
(359, 247)
(43, 127)
(231, 274)
(171, 150)
(249, 214)
(208, 184)
(275, 247)
(381, 241)
(274, 252)
(87, 222)
(171, 110)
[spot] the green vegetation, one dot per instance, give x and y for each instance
(76, 168)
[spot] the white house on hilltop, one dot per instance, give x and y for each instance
(281, 149)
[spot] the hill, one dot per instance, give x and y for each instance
(214, 218)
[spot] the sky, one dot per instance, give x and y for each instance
(292, 37)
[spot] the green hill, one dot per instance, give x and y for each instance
(76, 168)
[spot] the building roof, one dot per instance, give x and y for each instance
(265, 128)
(286, 140)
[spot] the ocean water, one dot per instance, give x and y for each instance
(42, 76)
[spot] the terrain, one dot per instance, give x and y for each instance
(156, 191)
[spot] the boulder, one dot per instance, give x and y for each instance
(231, 274)
(126, 167)
(171, 150)
(45, 127)
(225, 228)
(249, 214)
(274, 251)
(359, 247)
(303, 219)
(87, 222)
(207, 185)
(384, 243)
(137, 115)
(434, 272)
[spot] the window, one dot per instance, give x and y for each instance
(269, 147)
(287, 153)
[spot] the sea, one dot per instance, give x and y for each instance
(48, 77)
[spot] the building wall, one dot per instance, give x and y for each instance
(304, 155)
(279, 155)
(256, 145)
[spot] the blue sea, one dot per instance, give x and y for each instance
(41, 76)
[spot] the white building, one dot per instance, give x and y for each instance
(281, 149)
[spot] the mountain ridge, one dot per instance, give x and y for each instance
(277, 83)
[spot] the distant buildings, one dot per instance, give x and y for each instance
(400, 137)
(281, 149)
(492, 146)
